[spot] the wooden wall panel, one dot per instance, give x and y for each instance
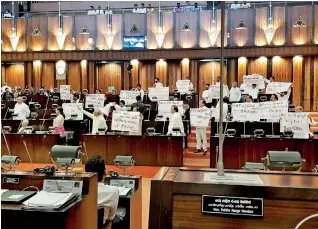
(258, 66)
(91, 76)
(52, 31)
(241, 69)
(194, 73)
(185, 68)
(174, 73)
(152, 27)
(161, 71)
(186, 39)
(84, 74)
(218, 22)
(231, 71)
(261, 24)
(307, 84)
(67, 30)
(3, 74)
(205, 25)
(90, 23)
(14, 75)
(298, 95)
(74, 75)
(147, 73)
(315, 85)
(6, 32)
(279, 24)
(134, 75)
(29, 73)
(300, 35)
(48, 76)
(282, 69)
(135, 19)
(168, 25)
(242, 37)
(109, 75)
(37, 74)
(316, 25)
(37, 43)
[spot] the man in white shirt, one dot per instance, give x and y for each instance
(253, 91)
(207, 96)
(4, 87)
(284, 96)
(157, 83)
(107, 196)
(99, 121)
(21, 110)
(225, 107)
(142, 10)
(121, 106)
(218, 81)
(249, 99)
(175, 121)
(271, 79)
(136, 10)
(201, 134)
(188, 7)
(139, 89)
(235, 93)
(24, 124)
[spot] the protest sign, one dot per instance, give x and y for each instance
(97, 100)
(199, 117)
(129, 96)
(273, 110)
(73, 109)
(297, 122)
(215, 89)
(125, 121)
(246, 112)
(277, 87)
(183, 86)
(254, 79)
(158, 94)
(164, 107)
(65, 92)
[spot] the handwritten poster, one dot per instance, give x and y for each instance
(254, 79)
(65, 92)
(273, 110)
(71, 109)
(246, 112)
(97, 100)
(277, 87)
(200, 117)
(128, 96)
(164, 107)
(183, 86)
(297, 122)
(158, 94)
(125, 121)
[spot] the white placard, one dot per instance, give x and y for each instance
(277, 87)
(254, 79)
(65, 92)
(273, 110)
(246, 112)
(183, 86)
(164, 108)
(215, 89)
(215, 112)
(129, 96)
(126, 121)
(73, 109)
(297, 122)
(96, 99)
(161, 93)
(199, 117)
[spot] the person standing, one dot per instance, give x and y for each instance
(139, 89)
(235, 93)
(99, 121)
(207, 96)
(175, 121)
(58, 122)
(253, 92)
(121, 106)
(284, 96)
(157, 83)
(201, 134)
(21, 110)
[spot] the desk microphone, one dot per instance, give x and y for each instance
(84, 146)
(27, 150)
(47, 102)
(19, 126)
(6, 113)
(5, 139)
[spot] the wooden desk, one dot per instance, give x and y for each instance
(81, 215)
(237, 151)
(176, 200)
(39, 146)
(146, 150)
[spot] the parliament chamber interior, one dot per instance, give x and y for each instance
(159, 114)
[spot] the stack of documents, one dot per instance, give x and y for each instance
(49, 200)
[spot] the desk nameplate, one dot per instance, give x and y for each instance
(228, 205)
(11, 180)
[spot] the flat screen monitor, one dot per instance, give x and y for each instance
(134, 42)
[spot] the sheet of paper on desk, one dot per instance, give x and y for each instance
(123, 191)
(47, 199)
(233, 178)
(15, 197)
(4, 190)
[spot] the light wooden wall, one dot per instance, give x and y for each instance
(282, 69)
(174, 73)
(241, 69)
(109, 75)
(258, 66)
(147, 73)
(298, 65)
(13, 74)
(261, 24)
(315, 84)
(48, 74)
(20, 32)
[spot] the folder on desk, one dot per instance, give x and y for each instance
(49, 200)
(15, 196)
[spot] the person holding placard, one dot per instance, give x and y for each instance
(21, 110)
(253, 92)
(311, 121)
(201, 134)
(175, 121)
(190, 83)
(218, 81)
(274, 98)
(75, 99)
(58, 122)
(121, 106)
(98, 91)
(284, 96)
(249, 99)
(207, 96)
(271, 79)
(225, 107)
(157, 83)
(139, 89)
(99, 121)
(235, 93)
(138, 105)
(139, 132)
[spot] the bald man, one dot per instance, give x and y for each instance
(21, 110)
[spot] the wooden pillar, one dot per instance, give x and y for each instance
(84, 74)
(91, 76)
(298, 94)
(241, 69)
(315, 84)
(307, 86)
(231, 71)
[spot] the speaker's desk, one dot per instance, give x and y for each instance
(237, 151)
(146, 150)
(176, 200)
(82, 214)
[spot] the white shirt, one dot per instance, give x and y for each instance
(285, 97)
(108, 12)
(142, 93)
(91, 12)
(58, 121)
(119, 108)
(207, 96)
(142, 10)
(235, 94)
(99, 11)
(158, 85)
(252, 92)
(136, 11)
(98, 122)
(3, 89)
(175, 122)
(225, 109)
(7, 15)
(107, 197)
(22, 110)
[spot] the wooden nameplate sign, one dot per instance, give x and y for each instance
(236, 206)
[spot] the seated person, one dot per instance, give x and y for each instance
(249, 99)
(107, 196)
(24, 124)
